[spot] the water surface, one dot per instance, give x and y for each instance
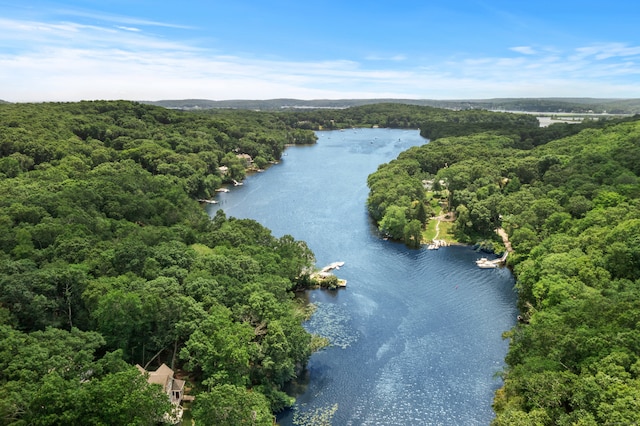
(416, 335)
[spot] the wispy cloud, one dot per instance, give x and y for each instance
(37, 35)
(525, 50)
(121, 27)
(607, 51)
(395, 58)
(71, 60)
(119, 19)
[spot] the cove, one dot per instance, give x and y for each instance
(416, 335)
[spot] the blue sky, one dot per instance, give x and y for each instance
(317, 49)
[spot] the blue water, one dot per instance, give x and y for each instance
(416, 335)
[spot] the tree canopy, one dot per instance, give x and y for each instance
(108, 260)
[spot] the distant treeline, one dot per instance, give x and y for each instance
(569, 197)
(405, 116)
(546, 105)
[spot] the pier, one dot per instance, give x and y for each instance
(436, 244)
(485, 263)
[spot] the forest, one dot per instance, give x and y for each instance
(569, 198)
(107, 260)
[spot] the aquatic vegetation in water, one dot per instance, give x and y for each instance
(332, 321)
(321, 416)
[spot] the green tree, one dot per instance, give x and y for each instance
(220, 349)
(119, 317)
(229, 405)
(394, 222)
(413, 233)
(125, 398)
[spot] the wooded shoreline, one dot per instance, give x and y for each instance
(102, 236)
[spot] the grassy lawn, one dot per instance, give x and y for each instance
(445, 227)
(445, 231)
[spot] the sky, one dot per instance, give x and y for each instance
(317, 49)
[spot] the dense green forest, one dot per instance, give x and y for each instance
(569, 197)
(107, 260)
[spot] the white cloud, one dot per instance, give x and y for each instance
(64, 61)
(525, 50)
(607, 51)
(395, 58)
(127, 20)
(121, 27)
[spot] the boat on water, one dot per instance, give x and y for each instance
(487, 265)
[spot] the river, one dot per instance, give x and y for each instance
(416, 335)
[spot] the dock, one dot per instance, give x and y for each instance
(436, 244)
(332, 266)
(325, 273)
(485, 263)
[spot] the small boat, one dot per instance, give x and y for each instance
(485, 263)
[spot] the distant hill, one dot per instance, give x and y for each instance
(548, 105)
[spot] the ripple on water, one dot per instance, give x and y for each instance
(332, 320)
